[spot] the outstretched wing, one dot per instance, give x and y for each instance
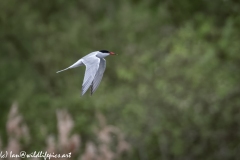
(92, 65)
(99, 75)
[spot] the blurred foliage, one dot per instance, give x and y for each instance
(174, 88)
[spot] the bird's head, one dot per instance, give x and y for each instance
(104, 53)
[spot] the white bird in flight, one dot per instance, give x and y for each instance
(95, 67)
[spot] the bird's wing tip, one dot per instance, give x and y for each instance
(82, 93)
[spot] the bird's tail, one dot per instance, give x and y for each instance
(62, 70)
(77, 64)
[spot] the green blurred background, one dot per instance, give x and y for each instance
(173, 89)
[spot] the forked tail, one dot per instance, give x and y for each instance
(62, 70)
(77, 64)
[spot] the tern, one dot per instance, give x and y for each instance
(95, 67)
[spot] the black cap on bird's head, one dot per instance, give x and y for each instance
(105, 51)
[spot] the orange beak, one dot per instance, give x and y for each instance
(111, 53)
